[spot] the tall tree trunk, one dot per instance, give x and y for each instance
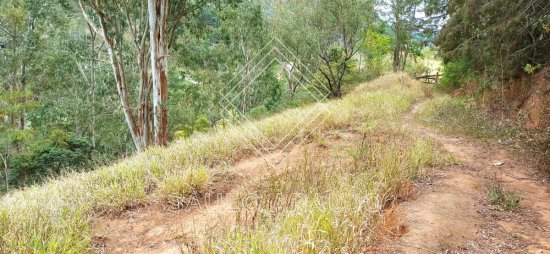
(144, 117)
(93, 84)
(158, 14)
(21, 120)
(246, 76)
(404, 59)
(5, 160)
(120, 78)
(144, 128)
(399, 56)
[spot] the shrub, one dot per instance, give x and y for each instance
(416, 68)
(455, 74)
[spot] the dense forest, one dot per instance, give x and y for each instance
(87, 82)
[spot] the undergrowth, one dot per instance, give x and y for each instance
(55, 217)
(460, 115)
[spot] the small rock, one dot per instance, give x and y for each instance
(498, 163)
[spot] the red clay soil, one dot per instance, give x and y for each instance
(450, 212)
(524, 100)
(161, 228)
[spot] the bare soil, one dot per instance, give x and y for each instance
(451, 213)
(162, 228)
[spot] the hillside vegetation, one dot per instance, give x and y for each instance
(149, 126)
(56, 216)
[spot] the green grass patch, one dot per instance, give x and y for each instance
(506, 200)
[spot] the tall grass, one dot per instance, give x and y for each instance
(461, 116)
(323, 207)
(55, 217)
(458, 115)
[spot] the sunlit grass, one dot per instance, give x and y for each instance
(458, 115)
(330, 206)
(55, 217)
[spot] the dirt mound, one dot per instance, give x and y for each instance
(537, 106)
(525, 100)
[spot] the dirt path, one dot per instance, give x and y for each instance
(159, 228)
(163, 229)
(450, 212)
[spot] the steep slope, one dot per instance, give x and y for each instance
(57, 217)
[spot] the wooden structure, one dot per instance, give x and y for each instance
(430, 79)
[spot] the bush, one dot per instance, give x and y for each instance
(60, 152)
(455, 74)
(416, 68)
(201, 124)
(258, 112)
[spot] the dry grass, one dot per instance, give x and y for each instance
(55, 217)
(461, 115)
(332, 205)
(458, 115)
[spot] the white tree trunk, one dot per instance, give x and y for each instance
(158, 12)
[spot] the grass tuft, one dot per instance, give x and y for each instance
(506, 200)
(458, 115)
(326, 206)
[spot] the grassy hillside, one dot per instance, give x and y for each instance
(337, 204)
(55, 217)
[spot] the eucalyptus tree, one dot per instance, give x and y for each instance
(403, 14)
(219, 53)
(143, 31)
(287, 26)
(28, 35)
(245, 28)
(414, 24)
(28, 32)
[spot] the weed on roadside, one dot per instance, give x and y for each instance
(506, 200)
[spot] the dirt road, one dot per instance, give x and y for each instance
(450, 212)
